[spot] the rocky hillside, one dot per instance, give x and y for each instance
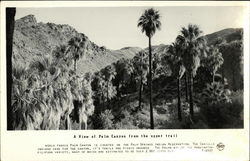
(230, 34)
(32, 38)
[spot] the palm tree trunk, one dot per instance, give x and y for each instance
(107, 94)
(191, 96)
(103, 101)
(150, 85)
(140, 91)
(132, 83)
(186, 86)
(83, 125)
(67, 121)
(10, 24)
(179, 99)
(75, 67)
(233, 79)
(86, 124)
(118, 90)
(223, 73)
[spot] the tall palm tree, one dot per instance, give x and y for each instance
(176, 64)
(77, 47)
(186, 85)
(149, 22)
(193, 46)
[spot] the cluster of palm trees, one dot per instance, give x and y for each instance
(77, 46)
(46, 93)
(186, 52)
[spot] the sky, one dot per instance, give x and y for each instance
(116, 27)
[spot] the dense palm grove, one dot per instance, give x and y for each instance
(183, 87)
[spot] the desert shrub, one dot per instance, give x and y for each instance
(172, 121)
(127, 121)
(160, 115)
(159, 120)
(142, 117)
(138, 120)
(105, 120)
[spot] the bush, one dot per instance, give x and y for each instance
(128, 121)
(172, 122)
(216, 93)
(223, 115)
(105, 120)
(140, 119)
(221, 108)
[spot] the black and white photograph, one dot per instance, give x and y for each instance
(124, 80)
(112, 68)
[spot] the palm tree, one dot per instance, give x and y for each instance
(186, 86)
(176, 64)
(109, 74)
(149, 23)
(124, 70)
(193, 46)
(214, 60)
(77, 47)
(141, 68)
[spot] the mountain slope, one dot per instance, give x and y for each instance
(230, 34)
(33, 39)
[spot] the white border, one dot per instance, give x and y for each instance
(21, 145)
